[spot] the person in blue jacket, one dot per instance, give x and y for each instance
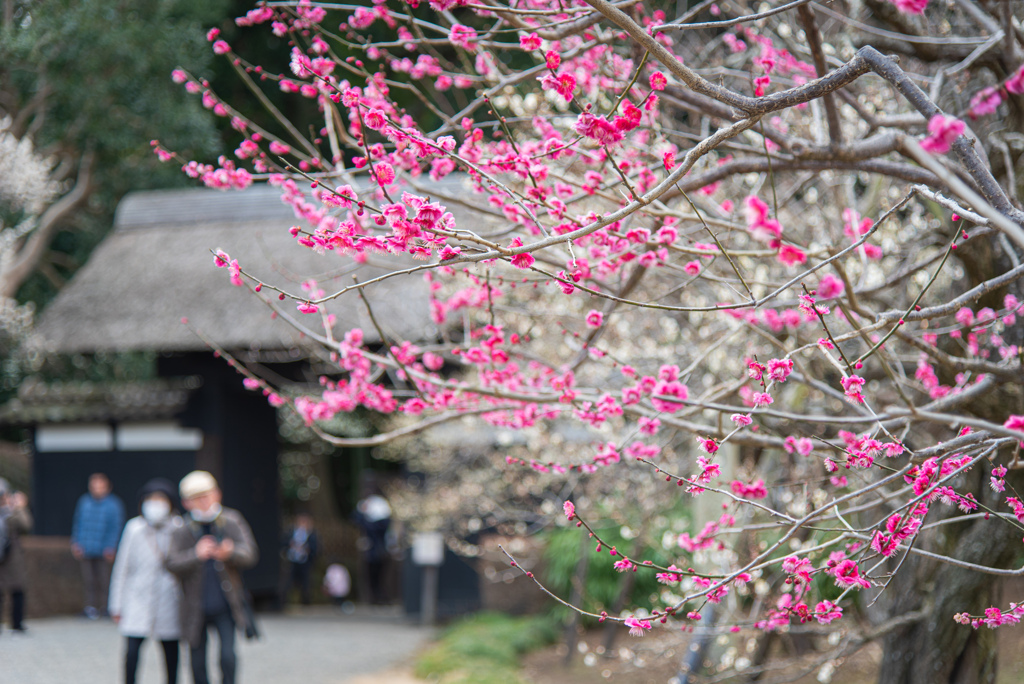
(95, 532)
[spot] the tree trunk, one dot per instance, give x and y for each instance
(579, 581)
(936, 649)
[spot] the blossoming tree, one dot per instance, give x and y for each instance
(760, 260)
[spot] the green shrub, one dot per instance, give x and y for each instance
(603, 582)
(484, 649)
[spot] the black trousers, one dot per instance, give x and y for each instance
(225, 626)
(300, 577)
(131, 659)
(378, 592)
(96, 578)
(17, 608)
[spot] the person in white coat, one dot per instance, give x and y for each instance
(144, 596)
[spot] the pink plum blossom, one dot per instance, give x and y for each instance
(462, 36)
(847, 574)
(911, 6)
(852, 386)
(673, 389)
(1015, 84)
(943, 130)
(637, 627)
(826, 611)
(530, 42)
(986, 101)
(830, 286)
(791, 255)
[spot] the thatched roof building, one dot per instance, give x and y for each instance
(156, 268)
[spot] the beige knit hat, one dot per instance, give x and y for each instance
(195, 483)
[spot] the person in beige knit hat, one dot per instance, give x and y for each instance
(208, 554)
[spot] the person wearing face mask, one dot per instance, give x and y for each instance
(208, 554)
(144, 597)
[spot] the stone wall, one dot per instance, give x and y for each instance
(54, 578)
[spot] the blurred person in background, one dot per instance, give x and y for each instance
(300, 549)
(337, 584)
(208, 553)
(145, 598)
(373, 517)
(99, 517)
(15, 520)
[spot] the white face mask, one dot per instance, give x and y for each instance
(209, 515)
(155, 510)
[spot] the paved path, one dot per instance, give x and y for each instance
(315, 647)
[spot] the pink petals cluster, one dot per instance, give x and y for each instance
(673, 575)
(598, 129)
(668, 388)
(770, 59)
(852, 386)
(636, 626)
(862, 450)
(931, 471)
(800, 445)
(986, 101)
(741, 419)
(708, 472)
(830, 286)
(564, 84)
(1017, 506)
(997, 479)
(762, 228)
(462, 36)
(769, 231)
(225, 177)
(798, 569)
(898, 528)
(788, 607)
(1015, 423)
(993, 617)
(910, 6)
(222, 260)
(1015, 84)
(854, 227)
(942, 131)
(754, 490)
(779, 369)
(846, 574)
(706, 539)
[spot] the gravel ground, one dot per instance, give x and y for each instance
(313, 646)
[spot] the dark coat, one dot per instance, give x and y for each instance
(312, 547)
(183, 562)
(12, 569)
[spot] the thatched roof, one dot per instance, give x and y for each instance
(38, 402)
(156, 268)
